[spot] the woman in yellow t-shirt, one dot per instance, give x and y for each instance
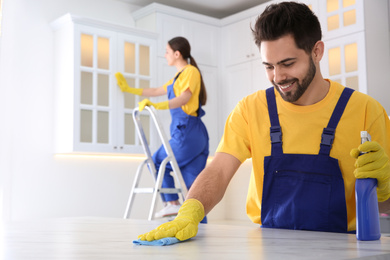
(189, 138)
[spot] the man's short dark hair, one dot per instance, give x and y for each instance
(288, 18)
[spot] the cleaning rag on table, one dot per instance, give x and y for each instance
(160, 242)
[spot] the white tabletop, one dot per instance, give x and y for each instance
(102, 238)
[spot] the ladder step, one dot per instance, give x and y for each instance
(162, 190)
(171, 190)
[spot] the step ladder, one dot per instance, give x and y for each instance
(157, 189)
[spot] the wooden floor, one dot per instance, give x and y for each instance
(101, 238)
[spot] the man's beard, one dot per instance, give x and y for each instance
(301, 88)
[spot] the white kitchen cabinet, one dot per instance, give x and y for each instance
(342, 23)
(201, 31)
(343, 61)
(356, 36)
(92, 114)
(239, 45)
(339, 18)
(239, 81)
(210, 78)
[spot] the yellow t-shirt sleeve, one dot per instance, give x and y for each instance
(167, 84)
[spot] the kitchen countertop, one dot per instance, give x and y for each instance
(111, 238)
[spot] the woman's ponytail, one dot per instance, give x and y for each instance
(203, 92)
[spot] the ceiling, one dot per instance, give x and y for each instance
(213, 8)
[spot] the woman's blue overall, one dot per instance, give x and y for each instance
(190, 145)
(303, 191)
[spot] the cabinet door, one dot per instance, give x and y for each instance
(204, 43)
(341, 17)
(344, 61)
(236, 37)
(135, 58)
(259, 76)
(94, 97)
(237, 83)
(210, 78)
(254, 49)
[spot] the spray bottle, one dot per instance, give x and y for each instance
(367, 212)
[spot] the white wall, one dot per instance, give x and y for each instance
(377, 30)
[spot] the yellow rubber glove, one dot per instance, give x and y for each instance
(183, 227)
(120, 79)
(373, 163)
(147, 102)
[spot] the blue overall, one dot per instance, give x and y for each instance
(190, 145)
(303, 191)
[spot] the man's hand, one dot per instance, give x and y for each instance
(373, 162)
(183, 227)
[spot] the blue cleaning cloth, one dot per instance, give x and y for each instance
(160, 242)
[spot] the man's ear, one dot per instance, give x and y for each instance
(318, 51)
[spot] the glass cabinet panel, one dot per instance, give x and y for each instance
(85, 126)
(333, 22)
(129, 130)
(349, 17)
(334, 61)
(352, 82)
(332, 5)
(351, 57)
(145, 121)
(129, 53)
(86, 50)
(103, 90)
(103, 122)
(144, 64)
(129, 99)
(103, 53)
(347, 3)
(144, 83)
(86, 86)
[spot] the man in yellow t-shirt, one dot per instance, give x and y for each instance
(247, 136)
(303, 136)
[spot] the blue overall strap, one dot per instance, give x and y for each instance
(200, 112)
(275, 130)
(328, 133)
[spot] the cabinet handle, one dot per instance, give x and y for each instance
(115, 147)
(253, 54)
(247, 56)
(121, 147)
